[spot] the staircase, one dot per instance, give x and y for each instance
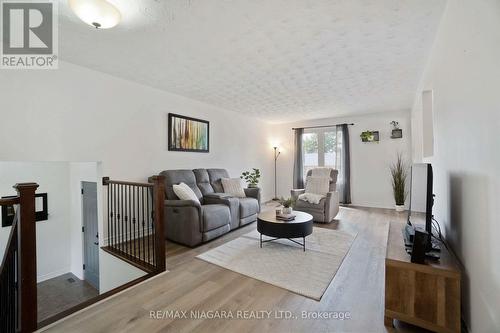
(135, 234)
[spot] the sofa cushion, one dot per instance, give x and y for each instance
(203, 181)
(248, 206)
(180, 176)
(184, 192)
(215, 176)
(214, 233)
(233, 186)
(248, 219)
(214, 216)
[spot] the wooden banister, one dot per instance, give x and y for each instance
(9, 201)
(159, 204)
(107, 181)
(18, 304)
(27, 257)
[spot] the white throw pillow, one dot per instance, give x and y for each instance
(184, 192)
(317, 185)
(233, 187)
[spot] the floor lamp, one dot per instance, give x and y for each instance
(276, 155)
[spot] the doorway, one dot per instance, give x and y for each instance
(90, 234)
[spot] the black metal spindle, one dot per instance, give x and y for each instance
(112, 215)
(141, 198)
(133, 220)
(119, 217)
(121, 220)
(8, 287)
(109, 212)
(126, 221)
(115, 212)
(147, 222)
(129, 222)
(143, 225)
(138, 222)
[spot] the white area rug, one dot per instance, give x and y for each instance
(283, 263)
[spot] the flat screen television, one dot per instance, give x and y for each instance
(421, 198)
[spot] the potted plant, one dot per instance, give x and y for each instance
(399, 173)
(287, 205)
(251, 177)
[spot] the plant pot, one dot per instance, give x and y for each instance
(400, 208)
(252, 185)
(287, 210)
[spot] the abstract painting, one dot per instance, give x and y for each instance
(187, 134)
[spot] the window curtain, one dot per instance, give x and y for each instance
(298, 165)
(343, 163)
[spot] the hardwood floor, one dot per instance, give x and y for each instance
(192, 284)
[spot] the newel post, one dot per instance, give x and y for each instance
(27, 257)
(159, 206)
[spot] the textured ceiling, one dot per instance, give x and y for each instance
(280, 60)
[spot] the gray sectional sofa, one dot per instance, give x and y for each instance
(190, 223)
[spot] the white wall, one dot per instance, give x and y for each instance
(464, 73)
(52, 236)
(115, 272)
(77, 114)
(370, 177)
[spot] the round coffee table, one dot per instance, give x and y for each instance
(300, 227)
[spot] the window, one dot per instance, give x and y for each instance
(310, 149)
(320, 148)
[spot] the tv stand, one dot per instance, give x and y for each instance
(426, 295)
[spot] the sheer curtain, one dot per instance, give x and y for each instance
(298, 165)
(323, 147)
(343, 163)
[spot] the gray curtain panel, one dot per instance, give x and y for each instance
(343, 164)
(298, 165)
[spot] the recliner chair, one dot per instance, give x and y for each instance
(191, 223)
(326, 210)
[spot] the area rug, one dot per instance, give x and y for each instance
(283, 263)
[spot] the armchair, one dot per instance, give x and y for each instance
(327, 208)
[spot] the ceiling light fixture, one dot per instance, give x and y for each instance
(98, 13)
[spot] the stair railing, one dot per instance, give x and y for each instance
(18, 293)
(134, 222)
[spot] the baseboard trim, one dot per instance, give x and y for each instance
(51, 275)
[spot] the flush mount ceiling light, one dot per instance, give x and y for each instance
(98, 13)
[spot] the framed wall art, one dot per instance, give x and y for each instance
(188, 134)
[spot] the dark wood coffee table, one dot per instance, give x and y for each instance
(300, 227)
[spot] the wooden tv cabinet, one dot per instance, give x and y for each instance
(427, 295)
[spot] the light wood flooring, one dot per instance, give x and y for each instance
(192, 284)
